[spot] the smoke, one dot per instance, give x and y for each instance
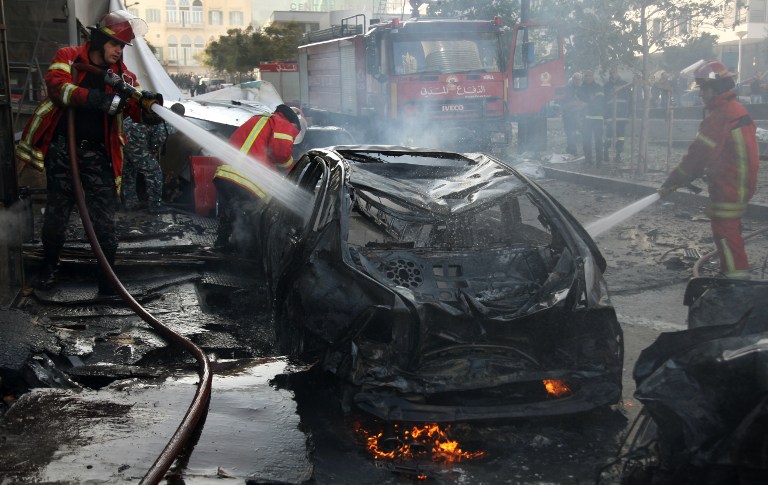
(14, 221)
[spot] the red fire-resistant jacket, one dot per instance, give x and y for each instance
(725, 153)
(268, 139)
(63, 92)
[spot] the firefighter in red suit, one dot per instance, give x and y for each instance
(725, 154)
(99, 109)
(269, 139)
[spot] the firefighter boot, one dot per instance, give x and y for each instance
(106, 288)
(48, 274)
(47, 277)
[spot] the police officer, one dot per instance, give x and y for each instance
(98, 121)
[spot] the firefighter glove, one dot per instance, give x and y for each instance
(150, 96)
(107, 102)
(121, 87)
(666, 188)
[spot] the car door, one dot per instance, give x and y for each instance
(289, 230)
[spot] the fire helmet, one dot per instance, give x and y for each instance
(121, 26)
(294, 118)
(716, 75)
(713, 70)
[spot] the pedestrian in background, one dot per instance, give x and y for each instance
(98, 124)
(591, 93)
(573, 114)
(725, 154)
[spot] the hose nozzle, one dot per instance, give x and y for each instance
(128, 91)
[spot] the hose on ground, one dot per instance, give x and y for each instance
(199, 404)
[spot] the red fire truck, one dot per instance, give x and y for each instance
(284, 76)
(431, 82)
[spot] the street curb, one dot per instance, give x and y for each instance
(755, 211)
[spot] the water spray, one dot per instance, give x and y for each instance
(270, 181)
(600, 226)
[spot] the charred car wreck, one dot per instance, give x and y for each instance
(441, 286)
(705, 406)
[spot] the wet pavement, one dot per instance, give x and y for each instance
(110, 392)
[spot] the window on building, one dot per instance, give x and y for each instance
(197, 12)
(134, 11)
(215, 17)
(171, 12)
(159, 53)
(185, 13)
(173, 46)
(757, 10)
(235, 18)
(197, 48)
(185, 54)
(153, 16)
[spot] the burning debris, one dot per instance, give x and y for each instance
(406, 447)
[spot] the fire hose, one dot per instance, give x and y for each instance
(199, 404)
(711, 254)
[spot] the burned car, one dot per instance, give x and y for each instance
(440, 287)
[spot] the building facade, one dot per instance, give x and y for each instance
(743, 43)
(179, 30)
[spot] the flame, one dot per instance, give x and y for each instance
(422, 441)
(556, 388)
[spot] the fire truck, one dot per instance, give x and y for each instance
(431, 82)
(284, 76)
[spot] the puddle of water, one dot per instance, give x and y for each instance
(113, 435)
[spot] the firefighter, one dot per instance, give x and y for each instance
(269, 139)
(98, 118)
(725, 153)
(618, 99)
(591, 93)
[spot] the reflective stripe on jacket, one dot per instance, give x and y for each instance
(266, 138)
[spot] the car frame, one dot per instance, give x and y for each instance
(440, 286)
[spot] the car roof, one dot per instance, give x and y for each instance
(438, 181)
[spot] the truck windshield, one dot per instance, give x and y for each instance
(473, 52)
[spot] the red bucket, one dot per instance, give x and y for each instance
(204, 192)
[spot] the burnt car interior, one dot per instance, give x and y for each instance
(483, 239)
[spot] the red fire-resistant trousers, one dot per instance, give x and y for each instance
(730, 247)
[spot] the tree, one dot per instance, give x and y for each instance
(476, 9)
(284, 41)
(241, 50)
(236, 52)
(661, 25)
(676, 58)
(602, 33)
